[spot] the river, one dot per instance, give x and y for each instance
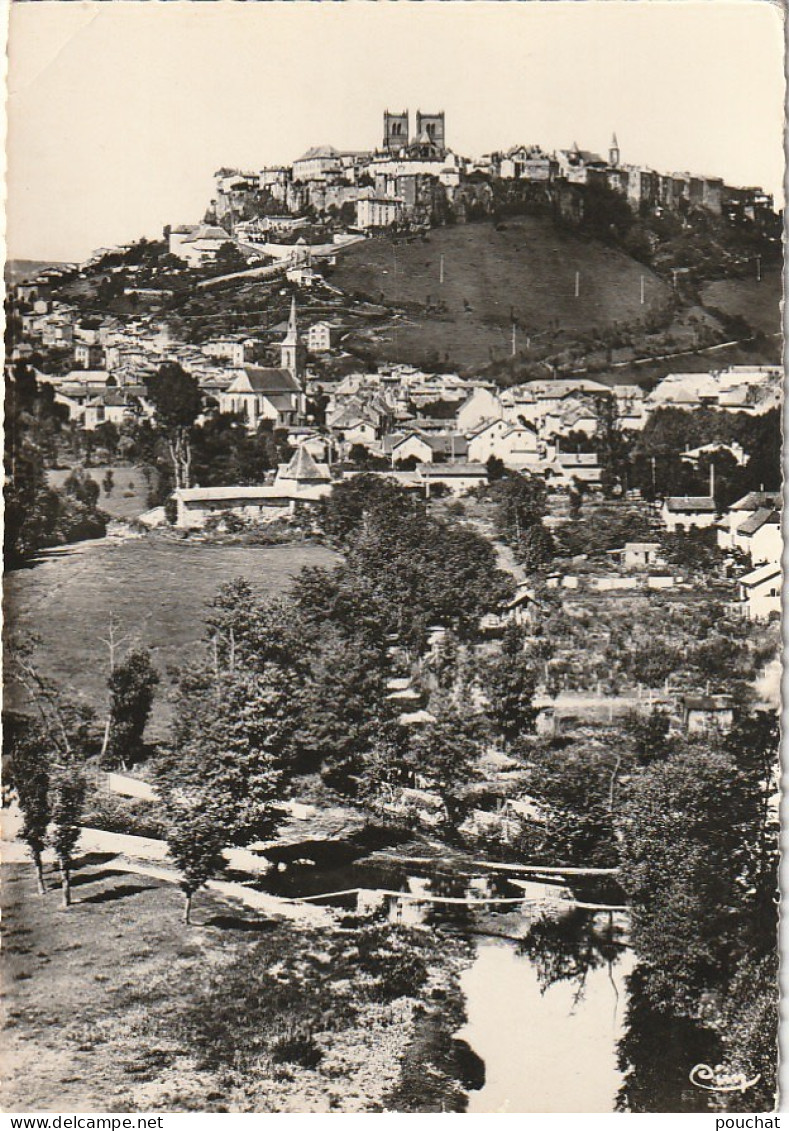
(545, 994)
(545, 1050)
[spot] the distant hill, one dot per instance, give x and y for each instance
(17, 270)
(525, 269)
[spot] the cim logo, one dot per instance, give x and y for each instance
(719, 1079)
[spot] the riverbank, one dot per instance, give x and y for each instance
(114, 1005)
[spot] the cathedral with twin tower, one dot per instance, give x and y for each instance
(430, 133)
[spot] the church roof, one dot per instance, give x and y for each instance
(263, 379)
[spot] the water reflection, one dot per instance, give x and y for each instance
(558, 1014)
(544, 1051)
(567, 947)
(657, 1052)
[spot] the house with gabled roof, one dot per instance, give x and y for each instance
(480, 406)
(761, 536)
(759, 592)
(516, 445)
(740, 514)
(686, 512)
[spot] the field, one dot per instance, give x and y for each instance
(115, 1005)
(129, 495)
(526, 270)
(758, 302)
(157, 590)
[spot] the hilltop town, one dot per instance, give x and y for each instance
(399, 547)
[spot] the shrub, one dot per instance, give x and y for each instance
(296, 1046)
(392, 956)
(114, 814)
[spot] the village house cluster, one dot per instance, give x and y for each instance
(413, 174)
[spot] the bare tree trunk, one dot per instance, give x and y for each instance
(65, 882)
(105, 741)
(40, 885)
(174, 456)
(187, 461)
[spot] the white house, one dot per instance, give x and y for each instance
(378, 211)
(110, 407)
(686, 512)
(729, 537)
(320, 337)
(317, 163)
(763, 534)
(637, 555)
(482, 405)
(235, 350)
(458, 477)
(760, 592)
(201, 245)
(516, 445)
(412, 446)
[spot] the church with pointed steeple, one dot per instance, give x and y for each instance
(613, 152)
(293, 352)
(261, 393)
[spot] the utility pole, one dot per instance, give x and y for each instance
(577, 283)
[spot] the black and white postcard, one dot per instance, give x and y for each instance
(392, 593)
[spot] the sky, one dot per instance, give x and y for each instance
(119, 113)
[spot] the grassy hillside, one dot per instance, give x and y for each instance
(156, 589)
(527, 269)
(757, 301)
(129, 495)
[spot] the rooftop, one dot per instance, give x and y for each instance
(691, 504)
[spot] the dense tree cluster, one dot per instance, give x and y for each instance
(37, 515)
(699, 858)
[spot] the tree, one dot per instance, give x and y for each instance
(29, 776)
(536, 548)
(509, 682)
(687, 831)
(495, 468)
(447, 753)
(649, 736)
(352, 502)
(67, 793)
(83, 488)
(132, 685)
(60, 745)
(573, 788)
(195, 839)
(233, 741)
(177, 402)
(108, 482)
(520, 503)
(341, 706)
(229, 259)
